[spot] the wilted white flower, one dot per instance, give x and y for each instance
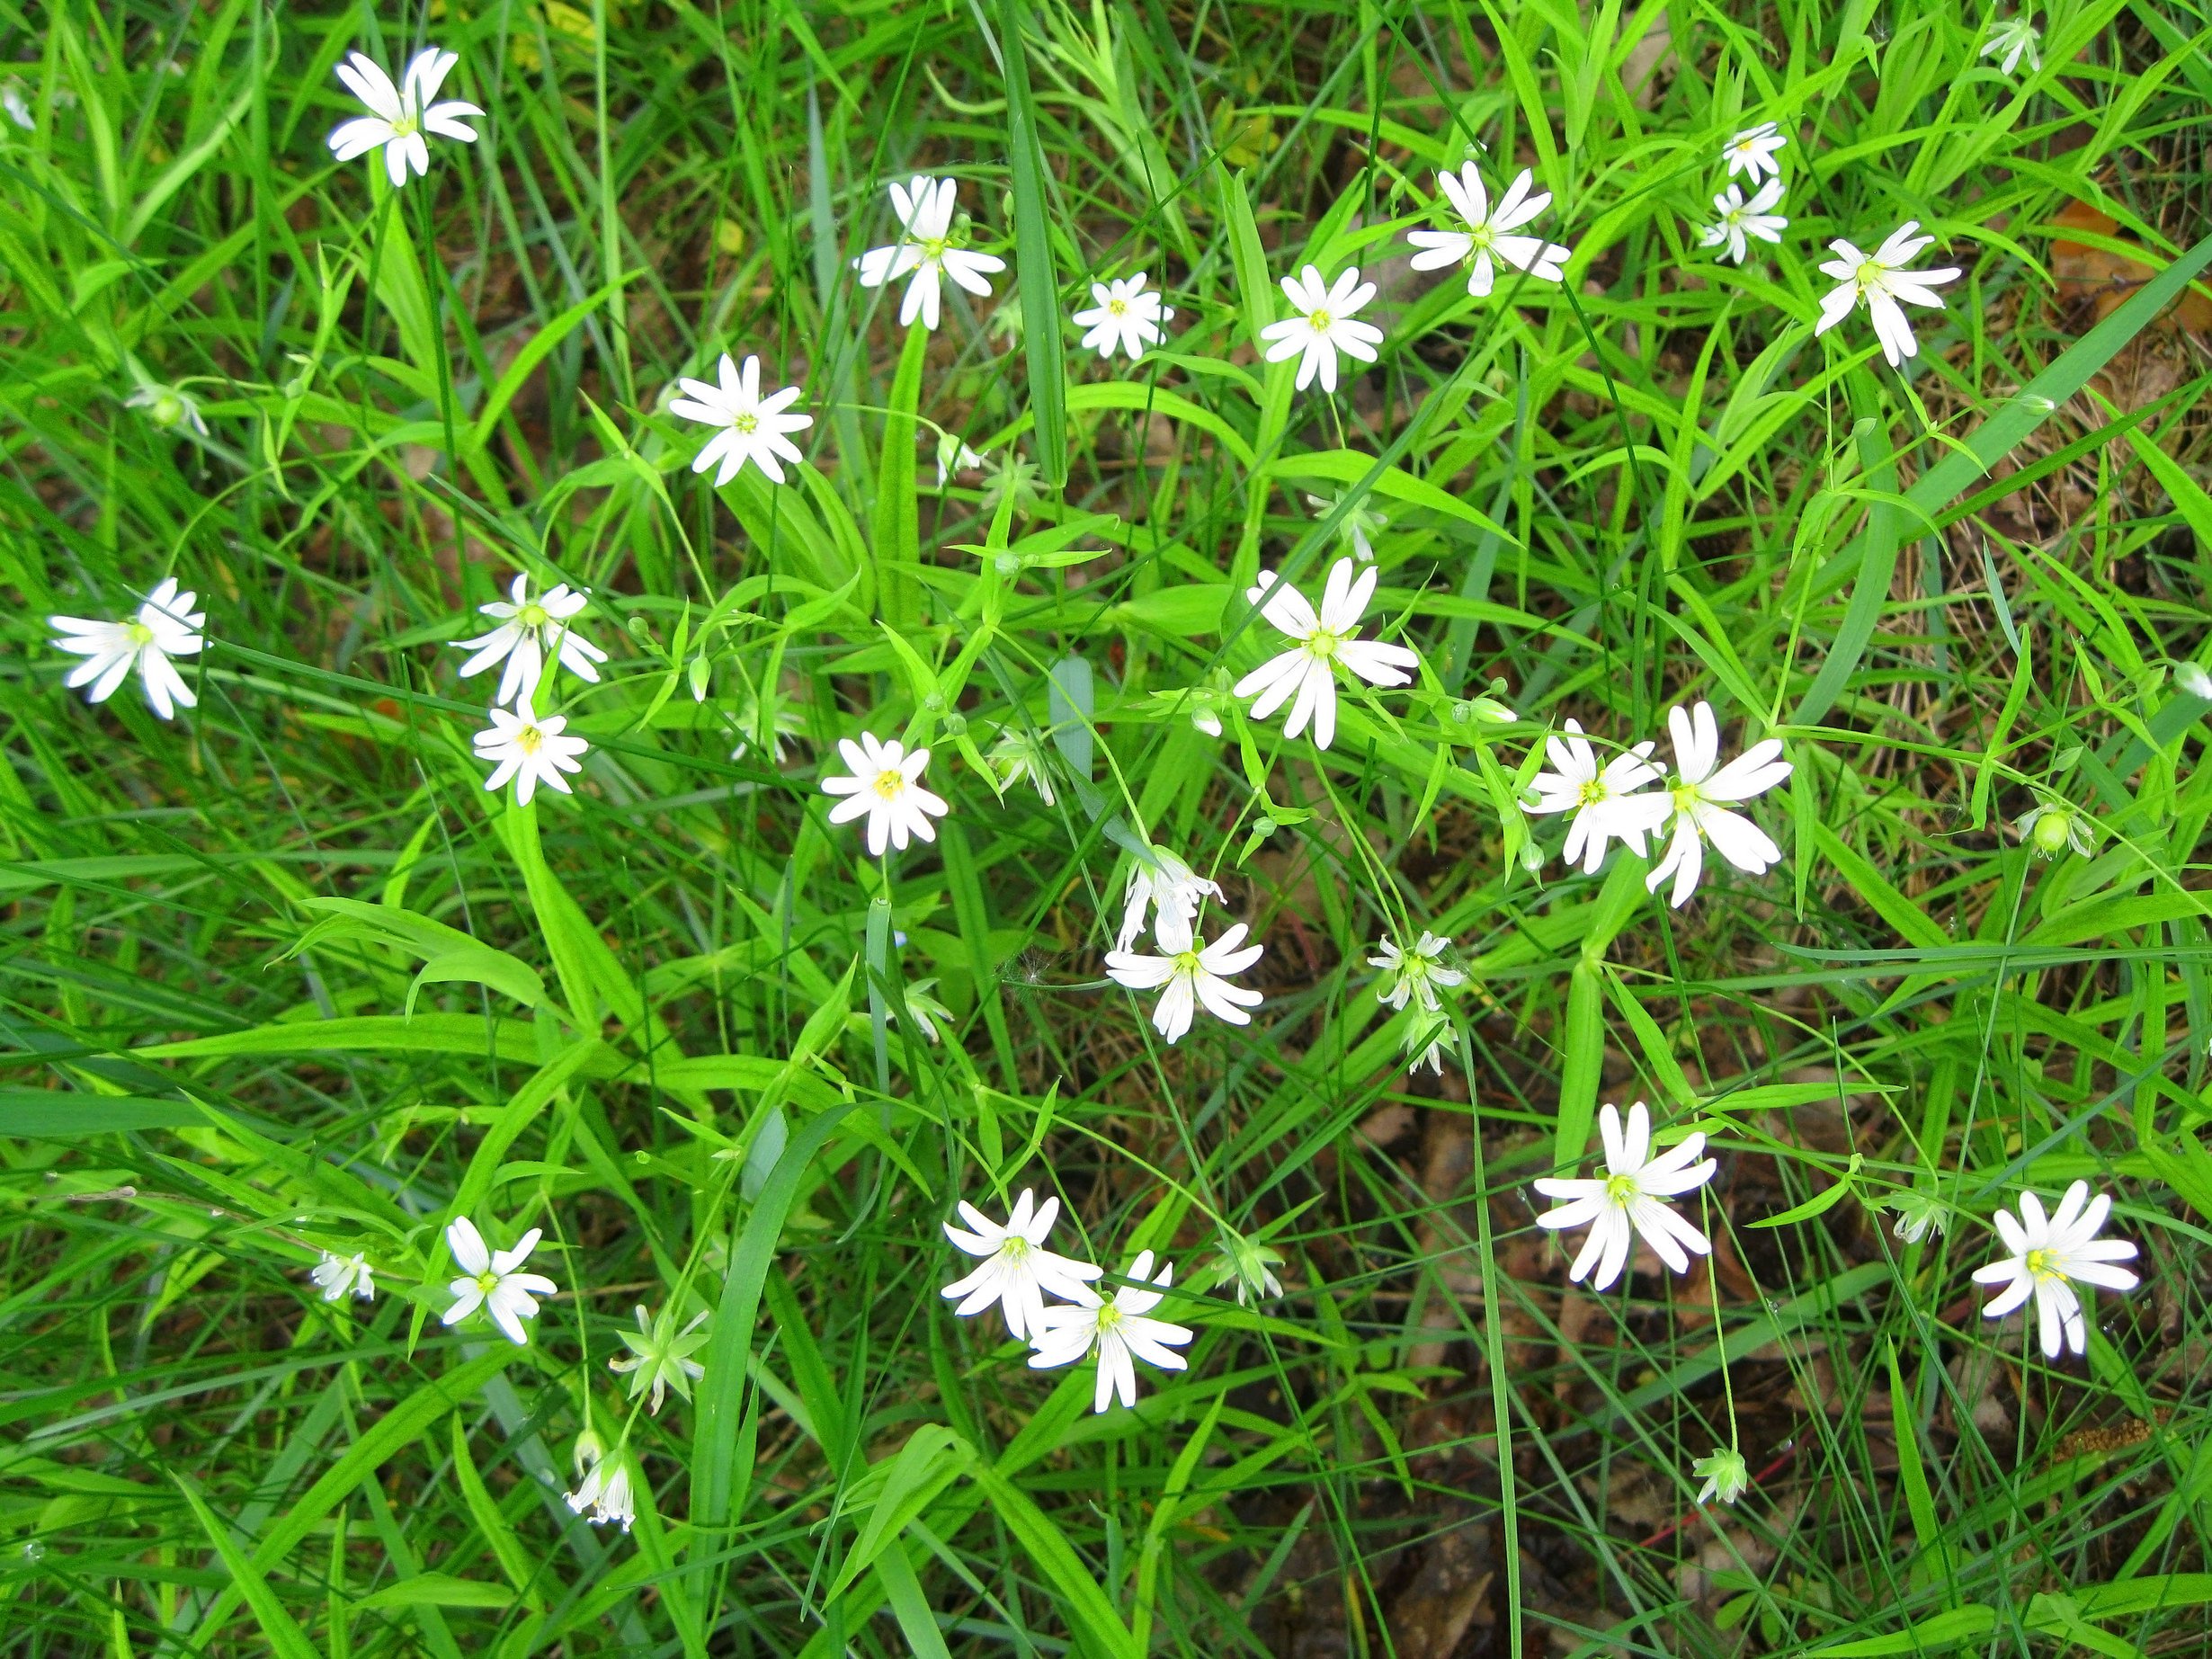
(1428, 1035)
(1325, 325)
(1168, 886)
(167, 406)
(1017, 754)
(924, 210)
(1919, 1214)
(1880, 280)
(752, 428)
(528, 631)
(338, 1276)
(167, 626)
(1414, 973)
(1250, 1265)
(2193, 678)
(529, 750)
(1700, 796)
(1189, 974)
(1725, 1473)
(1631, 1198)
(930, 1014)
(399, 116)
(1752, 152)
(604, 1486)
(1116, 1332)
(660, 1356)
(885, 785)
(1308, 668)
(1488, 235)
(1017, 1269)
(1739, 220)
(2048, 1256)
(488, 1279)
(16, 105)
(1124, 316)
(2016, 38)
(954, 456)
(1356, 529)
(2052, 826)
(1605, 801)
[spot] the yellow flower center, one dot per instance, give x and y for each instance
(141, 635)
(890, 783)
(533, 615)
(530, 740)
(1014, 1247)
(1118, 308)
(1868, 275)
(1108, 1316)
(933, 250)
(2039, 1263)
(1323, 644)
(1320, 322)
(1619, 1190)
(748, 423)
(1593, 791)
(487, 1282)
(407, 125)
(1187, 962)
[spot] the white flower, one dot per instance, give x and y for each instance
(1487, 236)
(924, 210)
(1170, 888)
(2053, 827)
(1324, 326)
(336, 1275)
(2016, 38)
(17, 106)
(886, 784)
(1116, 1332)
(529, 750)
(931, 1015)
(660, 1356)
(1918, 1215)
(1726, 1475)
(753, 427)
(1017, 1269)
(1356, 528)
(1752, 152)
(1414, 973)
(167, 626)
(528, 631)
(1252, 1265)
(1018, 754)
(1630, 1199)
(1739, 220)
(1603, 801)
(1125, 317)
(1190, 974)
(1878, 278)
(2193, 678)
(2048, 1256)
(604, 1488)
(954, 456)
(488, 1279)
(1699, 796)
(1325, 641)
(399, 116)
(167, 406)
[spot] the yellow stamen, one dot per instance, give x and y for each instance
(891, 783)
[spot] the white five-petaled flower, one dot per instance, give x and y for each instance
(1605, 801)
(1631, 1198)
(924, 210)
(1741, 219)
(528, 631)
(167, 626)
(1880, 280)
(604, 1486)
(529, 750)
(2049, 1255)
(884, 783)
(399, 116)
(1116, 1331)
(660, 1356)
(1414, 973)
(1188, 974)
(1752, 152)
(2016, 38)
(1701, 795)
(336, 1276)
(1488, 240)
(1124, 316)
(1017, 1269)
(753, 427)
(167, 406)
(1325, 325)
(488, 1279)
(1324, 639)
(1168, 887)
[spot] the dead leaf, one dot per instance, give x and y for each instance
(2104, 278)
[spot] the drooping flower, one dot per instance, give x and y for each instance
(931, 1016)
(752, 428)
(1190, 974)
(1020, 753)
(884, 783)
(603, 1486)
(167, 406)
(1327, 324)
(338, 1276)
(399, 116)
(530, 630)
(660, 1356)
(1699, 798)
(2016, 38)
(954, 456)
(1357, 527)
(529, 750)
(2052, 825)
(1741, 219)
(1605, 801)
(1881, 280)
(1250, 1265)
(1631, 1198)
(16, 105)
(1124, 316)
(1725, 1474)
(1308, 668)
(1752, 152)
(1429, 1034)
(924, 210)
(1919, 1214)
(1488, 241)
(2048, 1256)
(1168, 887)
(1017, 1270)
(1116, 1332)
(167, 626)
(488, 1279)
(1415, 973)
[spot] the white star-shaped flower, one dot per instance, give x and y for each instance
(1324, 639)
(2049, 1255)
(1752, 152)
(1487, 241)
(337, 1276)
(884, 783)
(1117, 1331)
(165, 626)
(753, 427)
(1631, 1198)
(1879, 279)
(1167, 886)
(1017, 1270)
(2016, 38)
(399, 116)
(1741, 221)
(1124, 316)
(1605, 801)
(1325, 325)
(529, 750)
(1701, 795)
(1414, 973)
(604, 1486)
(530, 630)
(488, 1279)
(924, 210)
(1190, 974)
